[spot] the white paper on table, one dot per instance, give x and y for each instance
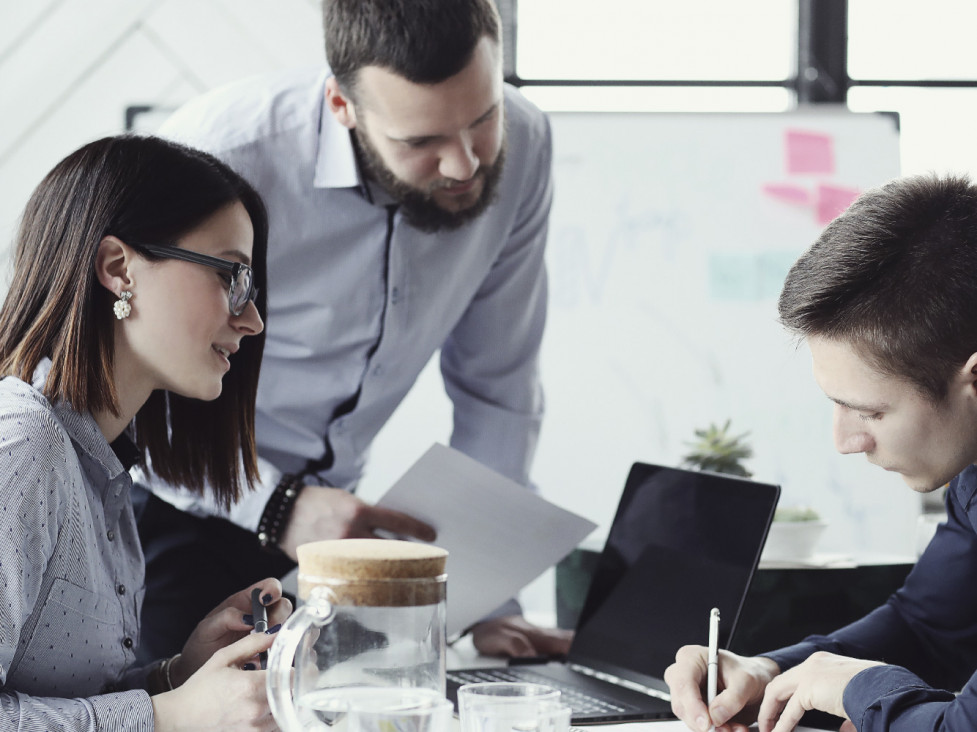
(499, 535)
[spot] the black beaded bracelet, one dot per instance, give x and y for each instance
(277, 511)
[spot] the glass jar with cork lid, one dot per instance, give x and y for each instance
(371, 615)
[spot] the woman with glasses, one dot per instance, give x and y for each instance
(131, 333)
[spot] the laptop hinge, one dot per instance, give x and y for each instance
(611, 678)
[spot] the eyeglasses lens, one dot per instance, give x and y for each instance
(240, 292)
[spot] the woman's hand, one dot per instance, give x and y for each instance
(220, 695)
(227, 624)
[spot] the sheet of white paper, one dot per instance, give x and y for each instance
(499, 535)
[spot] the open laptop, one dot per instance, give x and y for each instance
(682, 542)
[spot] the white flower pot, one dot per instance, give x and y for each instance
(792, 540)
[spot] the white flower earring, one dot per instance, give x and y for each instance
(122, 308)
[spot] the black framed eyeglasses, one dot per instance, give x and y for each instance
(241, 290)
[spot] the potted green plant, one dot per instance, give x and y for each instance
(718, 451)
(795, 530)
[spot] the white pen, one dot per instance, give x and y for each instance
(713, 661)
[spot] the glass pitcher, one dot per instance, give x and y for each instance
(371, 614)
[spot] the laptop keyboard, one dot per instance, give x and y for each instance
(580, 702)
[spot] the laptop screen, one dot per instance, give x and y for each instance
(682, 542)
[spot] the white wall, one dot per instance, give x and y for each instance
(69, 69)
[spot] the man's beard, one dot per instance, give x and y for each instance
(419, 207)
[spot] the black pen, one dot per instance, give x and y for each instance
(260, 615)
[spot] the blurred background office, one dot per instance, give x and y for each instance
(75, 70)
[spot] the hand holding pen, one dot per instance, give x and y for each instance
(693, 682)
(212, 675)
(232, 620)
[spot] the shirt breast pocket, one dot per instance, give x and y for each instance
(77, 645)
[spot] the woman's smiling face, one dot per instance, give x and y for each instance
(181, 333)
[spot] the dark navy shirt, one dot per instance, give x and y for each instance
(926, 633)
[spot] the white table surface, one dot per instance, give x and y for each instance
(463, 655)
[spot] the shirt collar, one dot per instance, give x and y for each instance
(335, 165)
(81, 427)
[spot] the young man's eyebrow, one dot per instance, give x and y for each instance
(860, 407)
(414, 140)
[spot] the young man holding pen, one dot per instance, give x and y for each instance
(887, 301)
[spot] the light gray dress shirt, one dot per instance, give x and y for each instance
(359, 300)
(72, 571)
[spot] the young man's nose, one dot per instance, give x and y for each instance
(849, 432)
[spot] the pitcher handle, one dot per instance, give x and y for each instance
(278, 681)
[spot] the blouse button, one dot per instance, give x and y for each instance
(127, 642)
(110, 534)
(121, 589)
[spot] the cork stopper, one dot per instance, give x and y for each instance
(378, 572)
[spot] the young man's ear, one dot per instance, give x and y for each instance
(968, 375)
(112, 265)
(339, 104)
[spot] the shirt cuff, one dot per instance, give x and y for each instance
(128, 710)
(876, 697)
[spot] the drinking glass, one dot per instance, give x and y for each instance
(511, 707)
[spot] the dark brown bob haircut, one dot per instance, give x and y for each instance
(895, 277)
(151, 191)
(424, 41)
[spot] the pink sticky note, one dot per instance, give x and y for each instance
(832, 201)
(809, 152)
(788, 193)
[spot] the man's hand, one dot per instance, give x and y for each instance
(818, 683)
(514, 636)
(742, 681)
(332, 513)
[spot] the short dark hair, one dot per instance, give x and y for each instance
(146, 190)
(895, 277)
(424, 41)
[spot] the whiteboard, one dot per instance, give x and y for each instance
(669, 240)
